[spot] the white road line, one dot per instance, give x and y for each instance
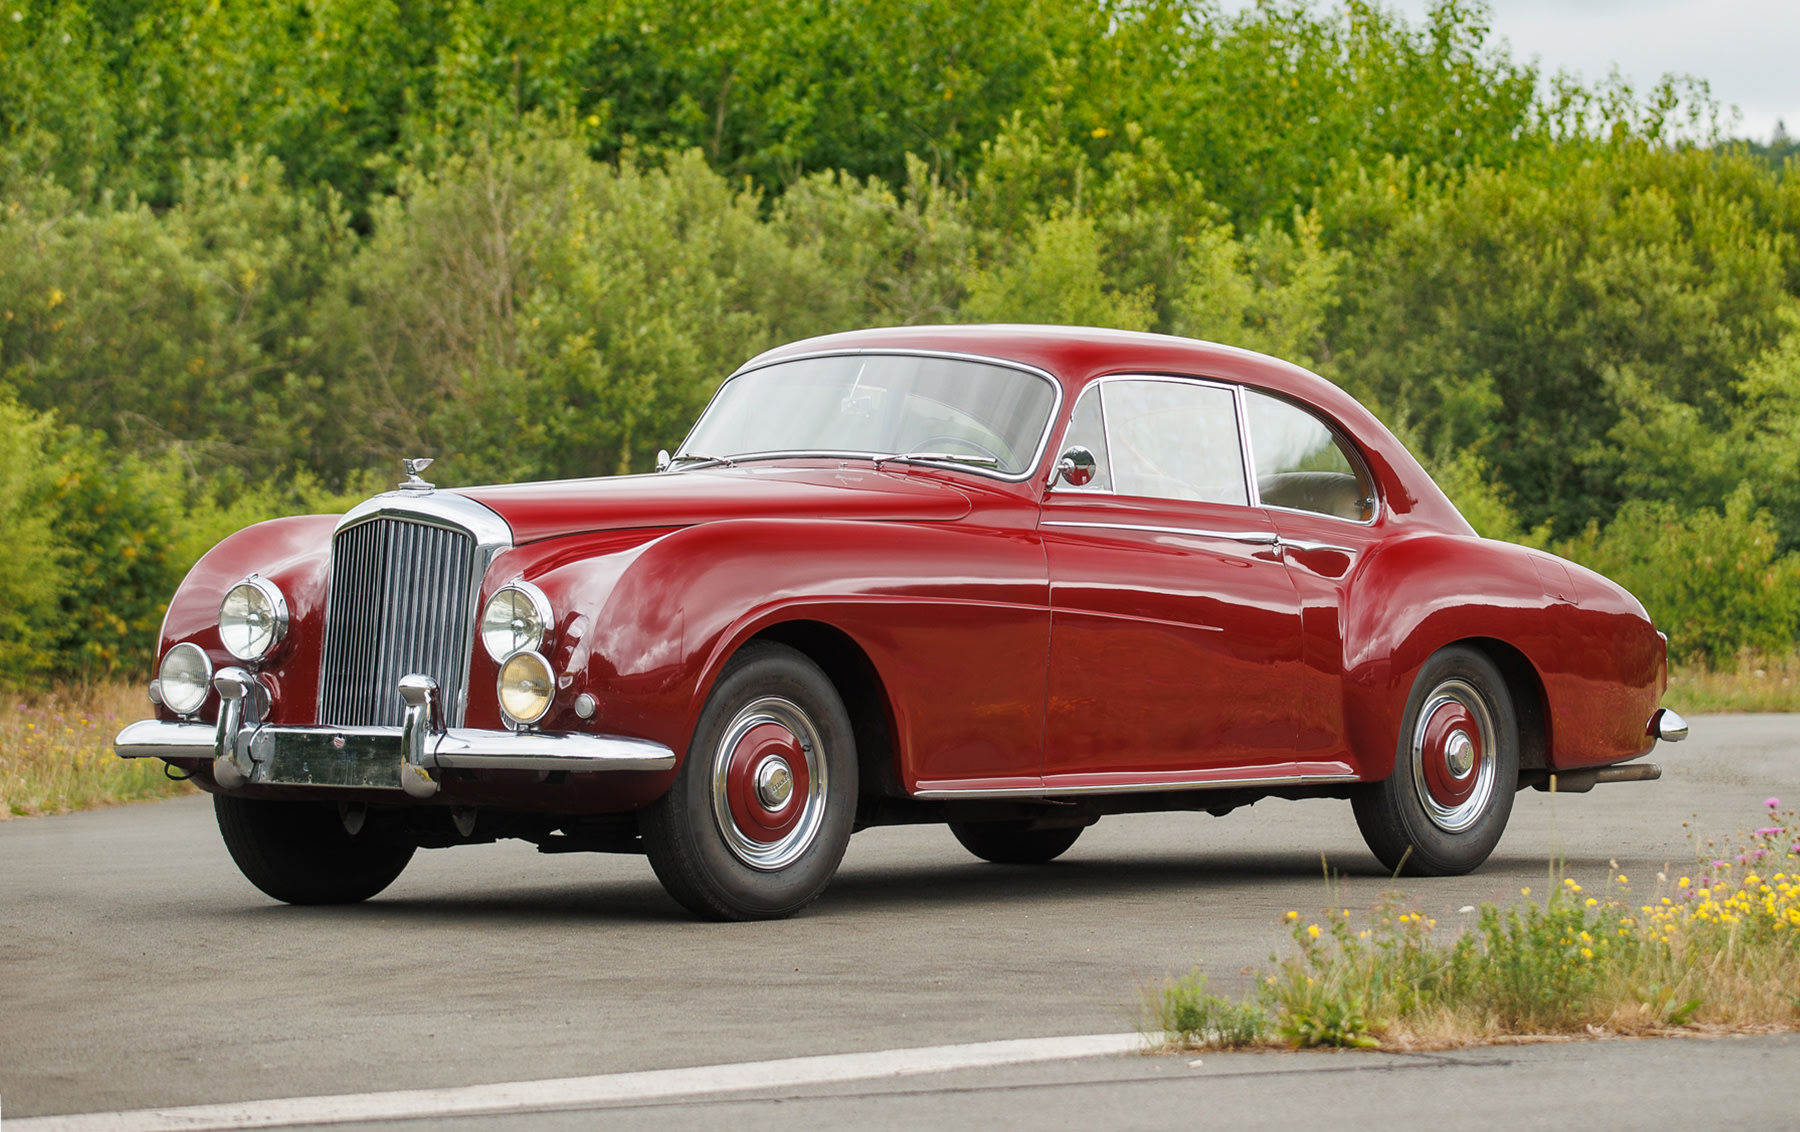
(583, 1092)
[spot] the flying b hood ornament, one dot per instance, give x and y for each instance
(412, 482)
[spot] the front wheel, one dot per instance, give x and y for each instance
(1443, 809)
(760, 812)
(304, 853)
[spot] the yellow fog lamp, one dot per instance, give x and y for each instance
(525, 685)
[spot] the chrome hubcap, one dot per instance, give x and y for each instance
(768, 784)
(1454, 760)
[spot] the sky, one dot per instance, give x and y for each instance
(1748, 50)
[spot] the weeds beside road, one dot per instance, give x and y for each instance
(1756, 683)
(56, 752)
(1719, 948)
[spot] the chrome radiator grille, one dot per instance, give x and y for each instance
(400, 604)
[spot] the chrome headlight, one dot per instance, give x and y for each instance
(184, 678)
(516, 618)
(525, 687)
(253, 618)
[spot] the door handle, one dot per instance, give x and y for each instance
(1316, 547)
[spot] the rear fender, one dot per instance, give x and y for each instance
(1599, 663)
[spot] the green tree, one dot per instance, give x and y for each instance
(32, 572)
(1712, 580)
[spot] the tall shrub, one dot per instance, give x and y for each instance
(1712, 580)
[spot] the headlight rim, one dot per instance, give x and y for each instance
(540, 608)
(549, 674)
(163, 683)
(277, 603)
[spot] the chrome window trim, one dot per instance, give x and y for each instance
(948, 793)
(1056, 481)
(491, 533)
(1237, 399)
(1338, 434)
(1374, 512)
(1031, 465)
(1263, 538)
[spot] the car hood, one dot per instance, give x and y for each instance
(679, 499)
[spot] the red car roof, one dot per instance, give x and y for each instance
(1076, 355)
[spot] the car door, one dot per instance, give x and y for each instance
(1175, 633)
(1317, 490)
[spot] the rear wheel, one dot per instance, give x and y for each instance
(760, 812)
(1014, 842)
(304, 853)
(1445, 806)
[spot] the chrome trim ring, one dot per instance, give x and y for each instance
(769, 815)
(277, 603)
(540, 607)
(1455, 761)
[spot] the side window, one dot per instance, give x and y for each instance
(1087, 427)
(1302, 464)
(1174, 440)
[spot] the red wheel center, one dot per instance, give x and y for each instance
(766, 782)
(1451, 753)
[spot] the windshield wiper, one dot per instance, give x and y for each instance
(664, 461)
(939, 458)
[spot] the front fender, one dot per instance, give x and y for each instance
(295, 554)
(912, 596)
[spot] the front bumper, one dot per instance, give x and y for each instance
(244, 750)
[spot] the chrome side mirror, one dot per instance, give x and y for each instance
(1076, 468)
(662, 460)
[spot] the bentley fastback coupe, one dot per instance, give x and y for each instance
(1008, 578)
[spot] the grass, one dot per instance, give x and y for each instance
(1757, 683)
(56, 751)
(1715, 950)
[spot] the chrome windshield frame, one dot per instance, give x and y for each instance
(1031, 465)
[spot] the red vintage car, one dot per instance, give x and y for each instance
(1009, 578)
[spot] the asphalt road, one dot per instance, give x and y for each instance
(138, 969)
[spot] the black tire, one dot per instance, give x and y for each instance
(1014, 842)
(771, 705)
(301, 852)
(1416, 821)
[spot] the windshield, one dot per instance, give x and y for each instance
(987, 416)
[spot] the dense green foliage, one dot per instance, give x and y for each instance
(252, 251)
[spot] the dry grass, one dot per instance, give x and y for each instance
(56, 751)
(1758, 683)
(1712, 951)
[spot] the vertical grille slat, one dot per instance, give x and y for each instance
(399, 598)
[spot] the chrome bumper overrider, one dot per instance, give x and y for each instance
(245, 750)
